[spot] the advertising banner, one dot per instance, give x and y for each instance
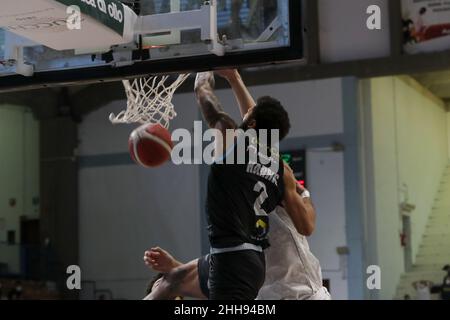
(426, 25)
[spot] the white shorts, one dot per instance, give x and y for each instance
(322, 294)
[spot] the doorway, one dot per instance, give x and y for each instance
(30, 248)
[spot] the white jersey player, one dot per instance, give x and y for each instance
(292, 271)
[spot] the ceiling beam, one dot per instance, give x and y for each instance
(369, 68)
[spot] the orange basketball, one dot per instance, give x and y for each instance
(150, 145)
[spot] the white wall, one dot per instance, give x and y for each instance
(312, 112)
(19, 176)
(409, 147)
(326, 184)
(125, 209)
(421, 133)
(344, 34)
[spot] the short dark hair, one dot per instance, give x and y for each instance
(270, 114)
(152, 282)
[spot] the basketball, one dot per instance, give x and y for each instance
(150, 145)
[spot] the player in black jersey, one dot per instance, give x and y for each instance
(191, 279)
(241, 194)
(239, 272)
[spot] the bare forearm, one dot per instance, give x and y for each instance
(309, 206)
(209, 106)
(176, 264)
(301, 212)
(207, 100)
(243, 96)
(180, 281)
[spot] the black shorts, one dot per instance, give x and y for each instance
(203, 274)
(236, 275)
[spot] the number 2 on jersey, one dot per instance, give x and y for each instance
(260, 188)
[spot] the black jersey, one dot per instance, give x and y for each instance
(241, 196)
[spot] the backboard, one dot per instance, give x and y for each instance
(171, 38)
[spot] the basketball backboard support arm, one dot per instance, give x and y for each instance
(204, 19)
(270, 30)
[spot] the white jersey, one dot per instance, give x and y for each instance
(292, 271)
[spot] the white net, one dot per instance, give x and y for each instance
(149, 100)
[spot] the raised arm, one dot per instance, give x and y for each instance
(243, 96)
(209, 103)
(212, 111)
(297, 205)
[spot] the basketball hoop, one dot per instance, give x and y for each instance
(149, 100)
